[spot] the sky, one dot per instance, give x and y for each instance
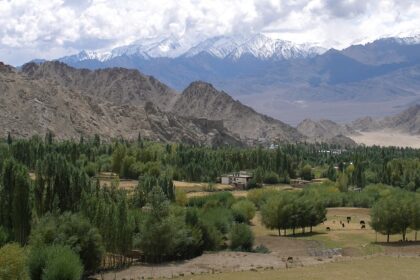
(50, 29)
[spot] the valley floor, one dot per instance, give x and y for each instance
(385, 138)
(343, 252)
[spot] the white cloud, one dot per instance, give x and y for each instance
(51, 28)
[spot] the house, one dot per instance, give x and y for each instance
(238, 179)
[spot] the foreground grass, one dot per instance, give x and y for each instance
(377, 268)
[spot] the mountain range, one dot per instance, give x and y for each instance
(279, 78)
(119, 102)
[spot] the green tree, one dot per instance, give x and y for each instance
(71, 230)
(15, 202)
(306, 172)
(415, 215)
(275, 213)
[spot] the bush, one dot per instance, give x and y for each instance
(13, 262)
(241, 238)
(91, 169)
(59, 262)
(243, 211)
(252, 184)
(221, 199)
(37, 262)
(306, 173)
(271, 178)
(260, 196)
(71, 230)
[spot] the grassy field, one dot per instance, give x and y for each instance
(354, 240)
(375, 268)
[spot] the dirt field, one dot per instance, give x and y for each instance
(346, 245)
(384, 138)
(375, 268)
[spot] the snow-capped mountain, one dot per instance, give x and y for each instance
(263, 47)
(86, 55)
(153, 48)
(259, 46)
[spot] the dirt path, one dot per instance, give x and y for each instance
(211, 263)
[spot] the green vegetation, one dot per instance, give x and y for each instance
(396, 213)
(286, 210)
(50, 196)
(54, 262)
(13, 262)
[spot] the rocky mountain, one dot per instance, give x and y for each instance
(408, 121)
(118, 102)
(202, 100)
(324, 130)
(281, 79)
(386, 51)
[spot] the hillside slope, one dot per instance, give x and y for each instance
(120, 102)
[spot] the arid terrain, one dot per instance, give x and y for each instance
(387, 138)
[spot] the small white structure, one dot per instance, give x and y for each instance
(239, 179)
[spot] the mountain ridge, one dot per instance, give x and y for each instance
(121, 102)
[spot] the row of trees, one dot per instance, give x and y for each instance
(291, 210)
(396, 213)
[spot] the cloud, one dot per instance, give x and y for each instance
(51, 28)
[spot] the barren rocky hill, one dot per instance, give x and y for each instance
(118, 102)
(201, 99)
(325, 131)
(31, 104)
(408, 121)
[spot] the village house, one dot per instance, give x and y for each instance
(239, 179)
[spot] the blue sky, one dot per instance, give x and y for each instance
(54, 28)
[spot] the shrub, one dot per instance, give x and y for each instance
(241, 238)
(91, 169)
(260, 196)
(271, 178)
(71, 230)
(13, 262)
(252, 184)
(36, 262)
(243, 210)
(306, 173)
(62, 263)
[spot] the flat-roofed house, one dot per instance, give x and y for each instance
(238, 179)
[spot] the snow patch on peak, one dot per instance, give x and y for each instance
(153, 48)
(413, 40)
(264, 47)
(259, 46)
(86, 55)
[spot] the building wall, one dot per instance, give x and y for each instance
(225, 180)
